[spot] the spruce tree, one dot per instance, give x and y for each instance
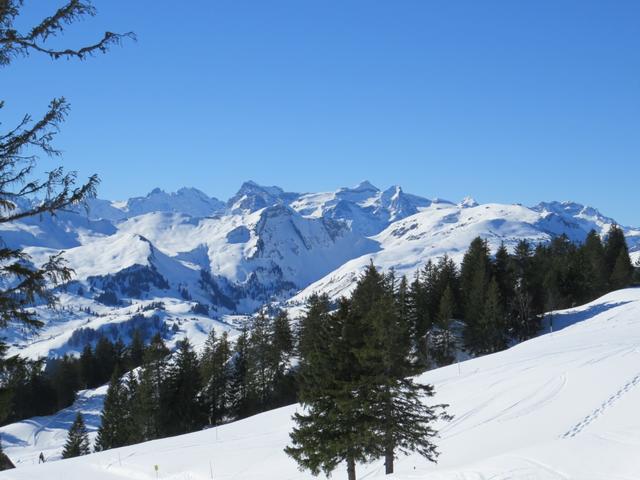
(88, 368)
(596, 264)
(619, 266)
(77, 439)
(135, 351)
(475, 274)
(215, 369)
(240, 382)
(115, 423)
(284, 386)
(443, 341)
(328, 431)
(622, 274)
(490, 330)
(182, 410)
(261, 362)
(403, 422)
(147, 402)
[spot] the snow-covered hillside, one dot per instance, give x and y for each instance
(561, 406)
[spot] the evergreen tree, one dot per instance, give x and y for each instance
(596, 264)
(402, 419)
(88, 368)
(105, 359)
(418, 318)
(77, 439)
(615, 248)
(284, 384)
(261, 362)
(115, 423)
(147, 402)
(239, 384)
(66, 380)
(216, 374)
(475, 274)
(182, 410)
(490, 330)
(135, 351)
(622, 273)
(325, 434)
(443, 341)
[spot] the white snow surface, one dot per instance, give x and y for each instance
(563, 406)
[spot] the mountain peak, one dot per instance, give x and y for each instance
(468, 202)
(365, 185)
(252, 197)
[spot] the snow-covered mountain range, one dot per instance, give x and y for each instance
(263, 244)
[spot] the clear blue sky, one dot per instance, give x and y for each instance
(506, 101)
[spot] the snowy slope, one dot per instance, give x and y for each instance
(561, 406)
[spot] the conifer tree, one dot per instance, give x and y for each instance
(615, 243)
(77, 439)
(475, 274)
(474, 312)
(135, 351)
(622, 274)
(418, 318)
(239, 383)
(88, 367)
(182, 410)
(115, 423)
(147, 401)
(443, 340)
(284, 386)
(261, 361)
(596, 264)
(490, 330)
(215, 370)
(327, 433)
(403, 422)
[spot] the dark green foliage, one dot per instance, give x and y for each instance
(216, 374)
(617, 260)
(261, 361)
(181, 408)
(318, 437)
(77, 439)
(65, 376)
(146, 403)
(135, 351)
(622, 273)
(26, 391)
(115, 421)
(355, 363)
(442, 339)
(284, 383)
(239, 384)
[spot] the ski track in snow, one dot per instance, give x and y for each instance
(607, 404)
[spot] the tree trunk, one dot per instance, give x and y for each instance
(351, 469)
(388, 460)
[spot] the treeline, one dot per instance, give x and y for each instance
(38, 387)
(502, 298)
(184, 392)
